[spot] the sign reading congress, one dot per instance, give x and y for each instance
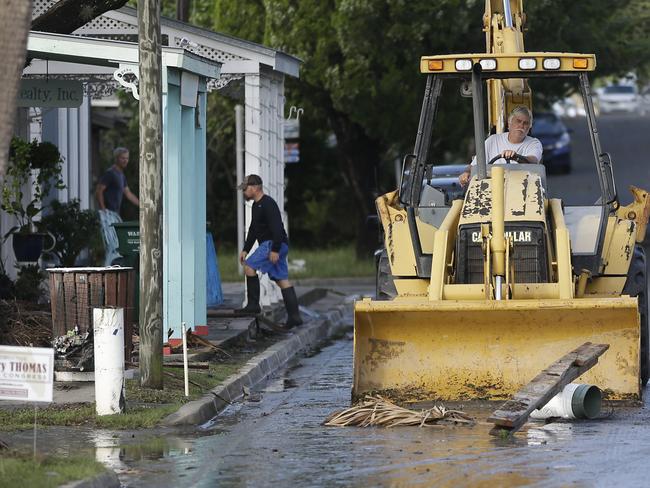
(26, 373)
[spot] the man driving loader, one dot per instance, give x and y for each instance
(515, 146)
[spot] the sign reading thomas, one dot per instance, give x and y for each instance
(26, 373)
(50, 93)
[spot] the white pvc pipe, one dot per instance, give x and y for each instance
(573, 402)
(109, 360)
(186, 372)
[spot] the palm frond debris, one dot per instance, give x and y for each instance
(377, 411)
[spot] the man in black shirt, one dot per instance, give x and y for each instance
(270, 257)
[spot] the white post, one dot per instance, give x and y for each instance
(185, 368)
(239, 153)
(109, 360)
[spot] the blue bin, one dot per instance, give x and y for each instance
(213, 277)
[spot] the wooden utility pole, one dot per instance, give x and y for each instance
(183, 10)
(151, 169)
(15, 16)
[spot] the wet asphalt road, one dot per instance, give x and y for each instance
(626, 138)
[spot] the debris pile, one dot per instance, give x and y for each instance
(74, 351)
(25, 324)
(377, 411)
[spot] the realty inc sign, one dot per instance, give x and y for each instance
(50, 93)
(26, 373)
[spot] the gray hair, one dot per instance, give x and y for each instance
(521, 110)
(118, 151)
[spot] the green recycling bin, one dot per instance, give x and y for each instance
(128, 238)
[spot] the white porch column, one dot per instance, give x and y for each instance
(257, 122)
(69, 129)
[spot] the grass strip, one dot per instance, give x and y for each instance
(19, 469)
(145, 408)
(338, 262)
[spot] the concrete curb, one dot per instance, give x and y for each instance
(259, 368)
(105, 480)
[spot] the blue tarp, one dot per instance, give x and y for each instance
(213, 277)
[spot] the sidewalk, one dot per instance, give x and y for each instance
(325, 312)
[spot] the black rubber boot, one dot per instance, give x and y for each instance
(253, 297)
(291, 304)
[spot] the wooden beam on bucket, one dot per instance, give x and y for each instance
(514, 413)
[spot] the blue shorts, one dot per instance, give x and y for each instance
(259, 261)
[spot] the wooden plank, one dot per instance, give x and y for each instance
(130, 311)
(513, 414)
(130, 300)
(83, 301)
(228, 313)
(110, 289)
(69, 302)
(96, 293)
(122, 301)
(56, 299)
(190, 365)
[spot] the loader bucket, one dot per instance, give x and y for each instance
(416, 349)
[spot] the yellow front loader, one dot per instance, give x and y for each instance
(489, 290)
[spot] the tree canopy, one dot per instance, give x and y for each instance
(361, 89)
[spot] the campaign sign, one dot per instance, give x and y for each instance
(26, 373)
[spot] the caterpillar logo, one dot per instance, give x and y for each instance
(516, 236)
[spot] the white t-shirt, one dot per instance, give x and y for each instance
(497, 143)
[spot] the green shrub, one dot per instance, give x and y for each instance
(72, 228)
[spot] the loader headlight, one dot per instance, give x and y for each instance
(551, 63)
(527, 63)
(488, 64)
(463, 65)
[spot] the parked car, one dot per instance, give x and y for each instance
(556, 141)
(571, 107)
(619, 98)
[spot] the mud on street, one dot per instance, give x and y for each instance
(276, 437)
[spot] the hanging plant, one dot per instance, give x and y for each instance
(31, 164)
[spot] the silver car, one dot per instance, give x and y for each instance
(619, 98)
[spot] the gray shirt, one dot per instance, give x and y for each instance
(115, 182)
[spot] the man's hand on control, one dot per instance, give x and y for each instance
(242, 257)
(464, 178)
(274, 257)
(509, 154)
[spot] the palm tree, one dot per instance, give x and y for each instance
(15, 18)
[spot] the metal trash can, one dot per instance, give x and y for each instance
(74, 292)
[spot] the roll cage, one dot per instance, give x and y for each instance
(416, 169)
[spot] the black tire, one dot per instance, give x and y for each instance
(385, 285)
(636, 285)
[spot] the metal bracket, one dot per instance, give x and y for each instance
(128, 77)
